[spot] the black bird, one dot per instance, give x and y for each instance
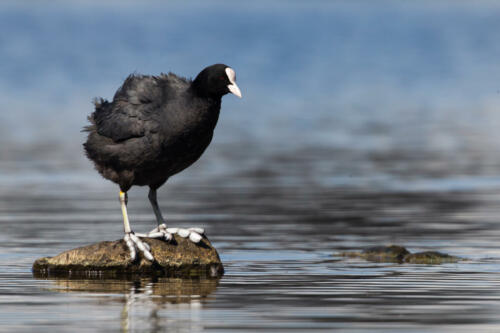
(155, 127)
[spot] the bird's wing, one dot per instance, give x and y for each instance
(132, 112)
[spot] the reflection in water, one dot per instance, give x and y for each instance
(150, 296)
(276, 243)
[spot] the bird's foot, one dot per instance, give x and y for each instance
(194, 234)
(133, 242)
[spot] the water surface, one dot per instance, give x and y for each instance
(362, 123)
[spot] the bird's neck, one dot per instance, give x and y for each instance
(200, 94)
(212, 111)
(201, 89)
(198, 86)
(203, 110)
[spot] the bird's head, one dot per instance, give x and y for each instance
(216, 81)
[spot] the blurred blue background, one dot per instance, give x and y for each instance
(362, 123)
(360, 93)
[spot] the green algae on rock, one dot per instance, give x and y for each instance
(392, 253)
(430, 257)
(399, 254)
(178, 258)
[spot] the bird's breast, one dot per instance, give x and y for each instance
(186, 136)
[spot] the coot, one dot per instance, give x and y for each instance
(155, 127)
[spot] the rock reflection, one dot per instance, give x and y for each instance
(144, 299)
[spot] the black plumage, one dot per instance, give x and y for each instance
(156, 126)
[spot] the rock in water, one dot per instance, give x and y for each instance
(399, 254)
(391, 253)
(430, 257)
(178, 258)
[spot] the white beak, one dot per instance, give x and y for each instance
(233, 88)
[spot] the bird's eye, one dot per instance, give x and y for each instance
(221, 77)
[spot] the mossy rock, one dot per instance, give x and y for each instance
(430, 257)
(391, 253)
(399, 254)
(178, 258)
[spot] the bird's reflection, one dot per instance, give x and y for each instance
(144, 300)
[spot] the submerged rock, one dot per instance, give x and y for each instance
(399, 254)
(177, 258)
(430, 257)
(392, 253)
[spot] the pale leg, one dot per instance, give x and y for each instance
(130, 238)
